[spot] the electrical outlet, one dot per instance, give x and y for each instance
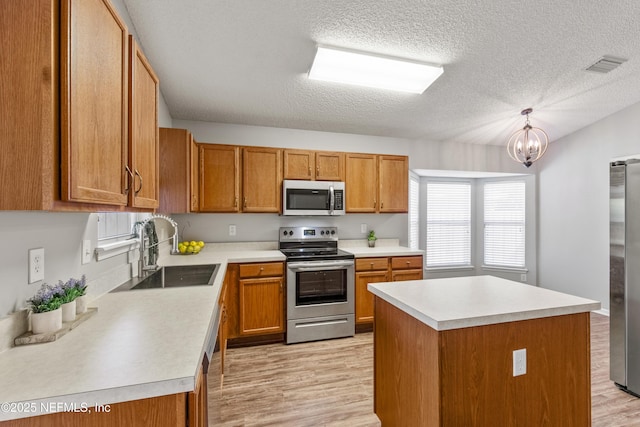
(86, 251)
(36, 265)
(523, 277)
(232, 230)
(519, 362)
(363, 228)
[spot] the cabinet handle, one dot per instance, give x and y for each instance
(309, 170)
(245, 202)
(127, 188)
(261, 268)
(374, 203)
(381, 205)
(139, 176)
(318, 170)
(281, 286)
(408, 262)
(235, 203)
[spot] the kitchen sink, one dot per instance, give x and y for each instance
(173, 277)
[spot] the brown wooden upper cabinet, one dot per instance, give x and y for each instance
(376, 183)
(178, 171)
(393, 183)
(94, 103)
(361, 183)
(219, 178)
(67, 122)
(261, 179)
(313, 165)
(143, 131)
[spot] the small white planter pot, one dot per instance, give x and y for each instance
(81, 304)
(372, 243)
(69, 311)
(49, 321)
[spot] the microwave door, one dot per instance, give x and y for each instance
(332, 200)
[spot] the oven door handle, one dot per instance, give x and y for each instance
(315, 266)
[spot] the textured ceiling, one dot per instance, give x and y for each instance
(246, 62)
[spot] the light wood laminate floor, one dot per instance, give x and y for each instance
(330, 383)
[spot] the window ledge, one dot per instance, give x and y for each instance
(507, 269)
(449, 268)
(110, 250)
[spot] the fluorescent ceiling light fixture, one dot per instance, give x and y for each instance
(343, 66)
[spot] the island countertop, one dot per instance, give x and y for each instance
(462, 302)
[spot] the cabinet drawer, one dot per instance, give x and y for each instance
(406, 262)
(369, 264)
(262, 269)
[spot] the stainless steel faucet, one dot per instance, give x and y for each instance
(140, 231)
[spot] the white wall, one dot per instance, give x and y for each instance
(573, 247)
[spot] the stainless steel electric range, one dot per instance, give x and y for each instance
(320, 284)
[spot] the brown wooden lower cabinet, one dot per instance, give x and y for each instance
(181, 409)
(463, 377)
(255, 303)
(381, 269)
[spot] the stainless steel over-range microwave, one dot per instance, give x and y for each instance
(312, 197)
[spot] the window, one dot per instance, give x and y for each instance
(414, 212)
(504, 224)
(448, 224)
(115, 225)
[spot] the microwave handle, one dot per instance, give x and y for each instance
(332, 200)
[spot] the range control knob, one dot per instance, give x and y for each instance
(333, 232)
(284, 233)
(290, 232)
(322, 232)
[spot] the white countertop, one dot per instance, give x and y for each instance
(140, 344)
(461, 302)
(382, 251)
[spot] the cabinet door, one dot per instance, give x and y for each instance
(261, 179)
(361, 183)
(401, 275)
(219, 178)
(175, 170)
(197, 401)
(329, 166)
(394, 183)
(364, 298)
(143, 130)
(93, 103)
(299, 164)
(194, 169)
(261, 306)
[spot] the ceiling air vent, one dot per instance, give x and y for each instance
(606, 64)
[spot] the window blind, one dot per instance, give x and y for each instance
(115, 224)
(448, 224)
(504, 224)
(414, 212)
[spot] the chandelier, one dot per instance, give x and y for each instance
(528, 144)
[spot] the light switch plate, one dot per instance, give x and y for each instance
(36, 265)
(363, 228)
(86, 251)
(232, 230)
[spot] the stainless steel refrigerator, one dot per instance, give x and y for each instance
(624, 274)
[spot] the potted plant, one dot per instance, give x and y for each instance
(45, 308)
(371, 238)
(71, 290)
(81, 300)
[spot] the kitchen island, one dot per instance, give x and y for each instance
(444, 354)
